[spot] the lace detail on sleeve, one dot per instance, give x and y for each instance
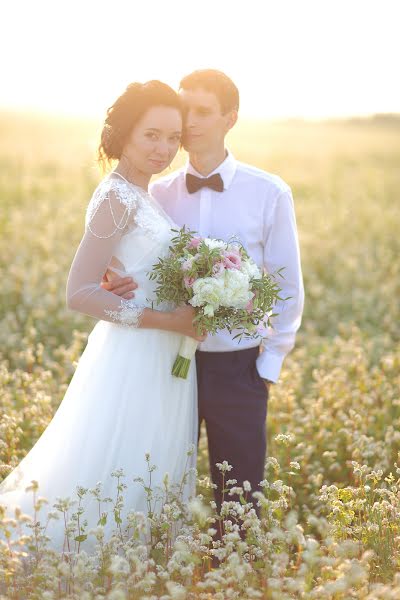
(112, 208)
(128, 315)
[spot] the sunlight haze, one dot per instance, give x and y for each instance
(289, 58)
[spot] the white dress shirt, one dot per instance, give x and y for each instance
(257, 208)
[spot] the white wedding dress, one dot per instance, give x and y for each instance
(122, 401)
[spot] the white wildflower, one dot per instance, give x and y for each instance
(119, 565)
(224, 466)
(285, 438)
(246, 486)
(199, 510)
(175, 590)
(117, 595)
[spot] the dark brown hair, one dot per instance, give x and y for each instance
(216, 82)
(127, 110)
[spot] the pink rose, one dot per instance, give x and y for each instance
(194, 242)
(188, 281)
(187, 264)
(232, 260)
(250, 307)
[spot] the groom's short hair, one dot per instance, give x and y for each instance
(216, 82)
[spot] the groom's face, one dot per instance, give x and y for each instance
(205, 126)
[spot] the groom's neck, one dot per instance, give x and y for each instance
(206, 163)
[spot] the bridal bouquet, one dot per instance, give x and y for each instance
(221, 282)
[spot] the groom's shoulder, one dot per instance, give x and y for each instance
(267, 181)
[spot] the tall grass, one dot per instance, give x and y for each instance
(330, 501)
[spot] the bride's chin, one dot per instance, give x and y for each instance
(157, 167)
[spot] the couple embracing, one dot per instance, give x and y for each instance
(122, 402)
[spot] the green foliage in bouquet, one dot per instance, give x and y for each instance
(237, 297)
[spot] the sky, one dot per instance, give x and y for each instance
(289, 58)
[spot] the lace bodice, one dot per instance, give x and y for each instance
(126, 231)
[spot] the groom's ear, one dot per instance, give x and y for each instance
(232, 117)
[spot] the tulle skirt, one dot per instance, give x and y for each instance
(121, 405)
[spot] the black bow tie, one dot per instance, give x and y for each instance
(194, 183)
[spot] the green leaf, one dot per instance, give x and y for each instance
(102, 520)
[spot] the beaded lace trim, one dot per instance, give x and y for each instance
(129, 314)
(139, 210)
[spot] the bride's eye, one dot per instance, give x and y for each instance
(152, 136)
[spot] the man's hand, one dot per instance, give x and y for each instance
(267, 383)
(121, 286)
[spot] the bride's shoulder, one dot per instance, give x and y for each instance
(115, 193)
(118, 188)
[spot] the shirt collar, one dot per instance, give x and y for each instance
(226, 169)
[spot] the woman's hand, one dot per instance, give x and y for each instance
(182, 322)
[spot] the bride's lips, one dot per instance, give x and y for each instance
(158, 163)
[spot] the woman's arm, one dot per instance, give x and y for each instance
(104, 230)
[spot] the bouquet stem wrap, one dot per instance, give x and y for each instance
(186, 352)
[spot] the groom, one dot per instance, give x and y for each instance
(219, 197)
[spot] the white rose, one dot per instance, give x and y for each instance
(208, 310)
(207, 290)
(250, 268)
(236, 290)
(212, 244)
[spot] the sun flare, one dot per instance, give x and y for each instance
(308, 59)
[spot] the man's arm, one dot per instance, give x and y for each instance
(281, 249)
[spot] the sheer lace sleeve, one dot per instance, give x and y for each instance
(110, 214)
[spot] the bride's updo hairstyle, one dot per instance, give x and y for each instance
(127, 110)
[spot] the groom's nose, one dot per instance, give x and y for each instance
(190, 119)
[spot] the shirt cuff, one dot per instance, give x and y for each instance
(269, 365)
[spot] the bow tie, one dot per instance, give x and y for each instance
(194, 183)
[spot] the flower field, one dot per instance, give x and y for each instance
(330, 501)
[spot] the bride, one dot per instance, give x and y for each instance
(123, 401)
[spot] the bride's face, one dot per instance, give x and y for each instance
(155, 139)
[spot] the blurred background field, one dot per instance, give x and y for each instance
(345, 179)
(330, 526)
(339, 392)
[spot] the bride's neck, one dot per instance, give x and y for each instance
(132, 173)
